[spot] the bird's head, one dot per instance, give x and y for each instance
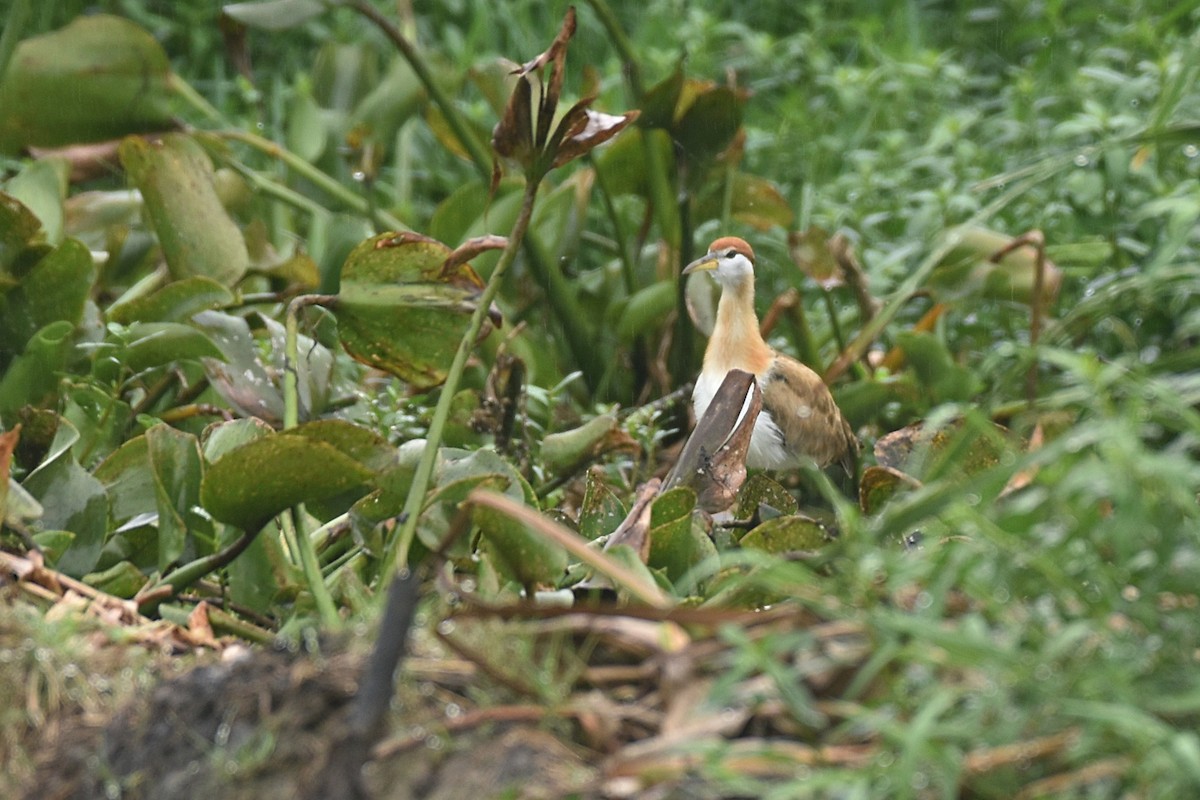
(729, 259)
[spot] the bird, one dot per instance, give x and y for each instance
(799, 419)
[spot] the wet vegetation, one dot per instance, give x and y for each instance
(306, 304)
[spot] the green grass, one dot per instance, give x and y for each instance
(1050, 592)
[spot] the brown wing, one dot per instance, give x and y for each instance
(811, 423)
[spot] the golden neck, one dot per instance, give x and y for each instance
(736, 341)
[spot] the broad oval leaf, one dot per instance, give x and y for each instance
(786, 535)
(96, 79)
(400, 310)
(517, 551)
(153, 344)
(197, 236)
(250, 485)
(178, 301)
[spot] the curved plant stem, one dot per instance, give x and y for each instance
(396, 554)
(479, 154)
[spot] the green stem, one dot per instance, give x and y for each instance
(295, 532)
(18, 15)
(396, 555)
(325, 182)
(458, 126)
(195, 99)
(311, 567)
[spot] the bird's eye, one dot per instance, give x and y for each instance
(730, 253)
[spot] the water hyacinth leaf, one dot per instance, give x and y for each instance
(55, 288)
(759, 491)
(194, 230)
(178, 469)
(563, 453)
(400, 310)
(314, 367)
(223, 437)
(127, 477)
(363, 445)
(944, 379)
(676, 545)
(19, 229)
(42, 186)
(153, 344)
(879, 484)
(274, 15)
(178, 301)
(53, 544)
(98, 78)
(120, 580)
(101, 418)
(32, 377)
(251, 484)
(786, 535)
(971, 444)
(518, 551)
(646, 310)
(240, 377)
(73, 500)
(661, 101)
(710, 123)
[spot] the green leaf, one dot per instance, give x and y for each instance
(363, 445)
(709, 124)
(54, 289)
(129, 481)
(73, 501)
(241, 379)
(945, 380)
(42, 187)
(274, 15)
(517, 551)
(676, 544)
(33, 376)
(101, 418)
(786, 534)
(120, 580)
(19, 229)
(197, 236)
(251, 484)
(400, 311)
(646, 310)
(564, 452)
(53, 543)
(153, 344)
(178, 470)
(178, 301)
(758, 491)
(96, 79)
(223, 437)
